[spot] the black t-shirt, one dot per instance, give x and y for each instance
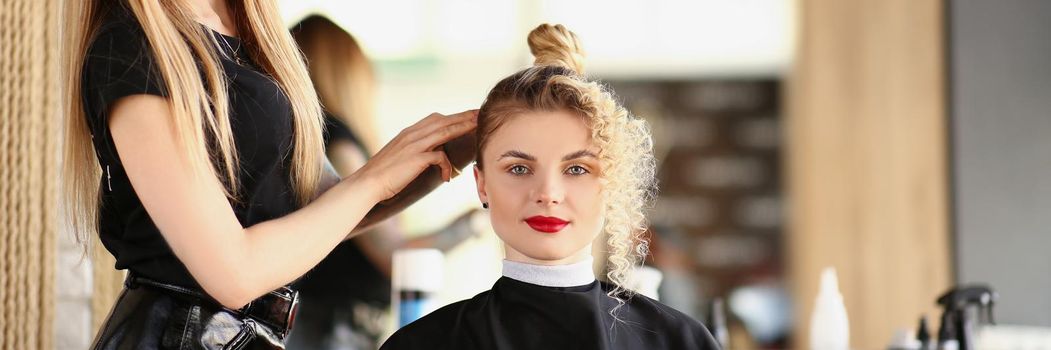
(519, 315)
(120, 63)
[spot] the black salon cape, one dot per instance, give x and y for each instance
(519, 315)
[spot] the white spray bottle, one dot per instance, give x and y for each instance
(829, 329)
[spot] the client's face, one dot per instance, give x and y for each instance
(541, 180)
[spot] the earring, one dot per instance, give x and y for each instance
(485, 205)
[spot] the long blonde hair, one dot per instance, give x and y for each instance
(556, 82)
(199, 107)
(342, 75)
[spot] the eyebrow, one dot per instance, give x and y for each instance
(529, 157)
(517, 154)
(579, 154)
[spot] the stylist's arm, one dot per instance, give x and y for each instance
(236, 264)
(459, 151)
(455, 149)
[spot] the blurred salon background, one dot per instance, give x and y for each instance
(904, 143)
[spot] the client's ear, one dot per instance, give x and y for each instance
(479, 179)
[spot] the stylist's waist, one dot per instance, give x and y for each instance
(276, 309)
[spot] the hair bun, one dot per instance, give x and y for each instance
(554, 45)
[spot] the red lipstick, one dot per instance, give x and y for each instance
(546, 224)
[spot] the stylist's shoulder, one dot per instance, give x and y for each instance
(120, 38)
(119, 63)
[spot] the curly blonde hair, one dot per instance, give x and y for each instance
(556, 82)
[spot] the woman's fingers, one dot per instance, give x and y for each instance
(442, 161)
(447, 133)
(468, 114)
(418, 147)
(437, 122)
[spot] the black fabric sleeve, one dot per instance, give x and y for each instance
(119, 63)
(337, 130)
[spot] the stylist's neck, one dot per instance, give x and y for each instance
(214, 14)
(513, 255)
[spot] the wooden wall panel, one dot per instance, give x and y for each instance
(867, 162)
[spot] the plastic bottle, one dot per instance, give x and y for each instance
(416, 279)
(829, 329)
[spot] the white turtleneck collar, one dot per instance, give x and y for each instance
(575, 274)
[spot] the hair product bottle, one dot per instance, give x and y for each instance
(829, 329)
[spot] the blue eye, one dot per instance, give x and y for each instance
(576, 170)
(518, 170)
